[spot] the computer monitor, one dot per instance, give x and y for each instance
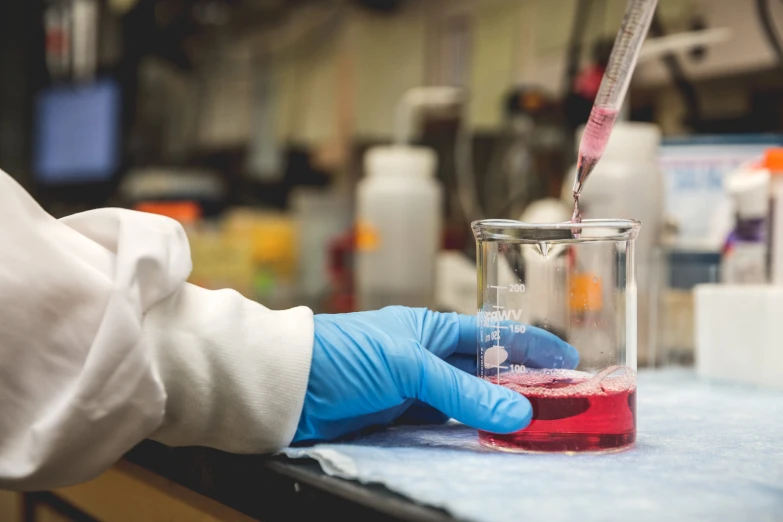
(77, 134)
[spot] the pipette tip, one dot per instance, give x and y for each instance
(584, 168)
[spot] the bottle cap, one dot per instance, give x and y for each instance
(400, 160)
(186, 212)
(773, 161)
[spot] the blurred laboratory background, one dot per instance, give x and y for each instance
(332, 153)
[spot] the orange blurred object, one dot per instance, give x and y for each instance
(585, 293)
(532, 101)
(773, 160)
(186, 212)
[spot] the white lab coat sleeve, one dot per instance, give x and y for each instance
(103, 344)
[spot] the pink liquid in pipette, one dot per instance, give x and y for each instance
(591, 148)
(597, 131)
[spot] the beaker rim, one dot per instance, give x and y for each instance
(589, 230)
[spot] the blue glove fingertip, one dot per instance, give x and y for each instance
(539, 348)
(512, 412)
(569, 356)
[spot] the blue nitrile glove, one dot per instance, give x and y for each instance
(369, 367)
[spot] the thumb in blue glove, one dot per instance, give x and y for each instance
(369, 367)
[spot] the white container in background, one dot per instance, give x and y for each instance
(398, 212)
(744, 258)
(542, 283)
(320, 215)
(738, 335)
(455, 286)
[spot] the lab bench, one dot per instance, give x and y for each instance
(706, 450)
(154, 482)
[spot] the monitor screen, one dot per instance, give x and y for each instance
(77, 133)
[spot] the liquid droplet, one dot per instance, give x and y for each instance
(576, 217)
(543, 248)
(595, 280)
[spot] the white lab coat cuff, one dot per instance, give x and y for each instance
(234, 372)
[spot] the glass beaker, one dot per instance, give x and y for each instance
(538, 281)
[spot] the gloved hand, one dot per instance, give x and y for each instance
(369, 367)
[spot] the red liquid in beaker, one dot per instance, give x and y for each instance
(572, 411)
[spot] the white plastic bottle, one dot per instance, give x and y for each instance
(744, 258)
(398, 227)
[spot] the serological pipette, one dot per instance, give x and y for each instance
(611, 93)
